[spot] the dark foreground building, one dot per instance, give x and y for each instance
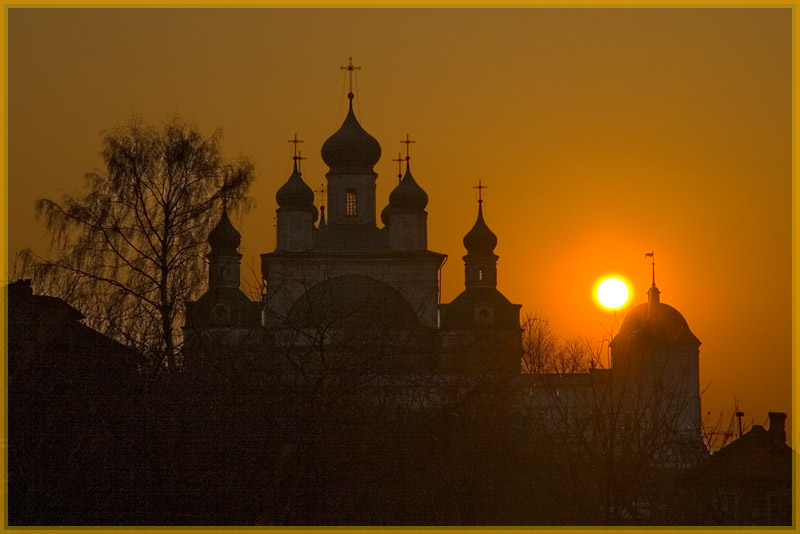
(71, 437)
(749, 481)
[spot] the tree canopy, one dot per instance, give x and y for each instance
(129, 252)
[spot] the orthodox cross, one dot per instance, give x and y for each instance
(350, 69)
(480, 187)
(295, 141)
(399, 161)
(408, 142)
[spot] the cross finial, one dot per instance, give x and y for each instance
(408, 142)
(652, 255)
(480, 187)
(350, 68)
(399, 161)
(295, 141)
(299, 158)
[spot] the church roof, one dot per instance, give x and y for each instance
(480, 240)
(461, 312)
(657, 323)
(295, 194)
(351, 150)
(408, 195)
(224, 238)
(758, 454)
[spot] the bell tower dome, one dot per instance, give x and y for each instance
(296, 212)
(350, 154)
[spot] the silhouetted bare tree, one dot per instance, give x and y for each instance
(617, 445)
(128, 253)
(545, 352)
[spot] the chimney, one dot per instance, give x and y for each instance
(777, 425)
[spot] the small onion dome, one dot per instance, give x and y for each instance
(408, 195)
(480, 240)
(351, 150)
(296, 195)
(224, 238)
(386, 213)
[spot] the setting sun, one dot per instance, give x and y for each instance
(612, 293)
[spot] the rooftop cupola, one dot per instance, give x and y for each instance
(351, 150)
(351, 153)
(480, 263)
(296, 211)
(480, 240)
(224, 258)
(224, 238)
(653, 293)
(408, 195)
(296, 195)
(405, 215)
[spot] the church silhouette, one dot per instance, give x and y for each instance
(340, 287)
(335, 277)
(349, 394)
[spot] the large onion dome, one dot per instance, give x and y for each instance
(480, 240)
(408, 195)
(351, 150)
(296, 195)
(224, 238)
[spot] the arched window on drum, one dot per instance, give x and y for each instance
(351, 203)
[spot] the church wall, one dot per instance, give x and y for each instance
(219, 349)
(408, 231)
(415, 277)
(481, 349)
(294, 230)
(662, 381)
(364, 187)
(225, 271)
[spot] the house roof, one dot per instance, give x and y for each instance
(758, 454)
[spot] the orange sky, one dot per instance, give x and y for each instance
(601, 133)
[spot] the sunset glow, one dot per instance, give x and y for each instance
(612, 293)
(602, 134)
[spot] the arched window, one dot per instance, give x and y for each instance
(350, 203)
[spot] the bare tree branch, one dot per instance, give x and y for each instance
(133, 244)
